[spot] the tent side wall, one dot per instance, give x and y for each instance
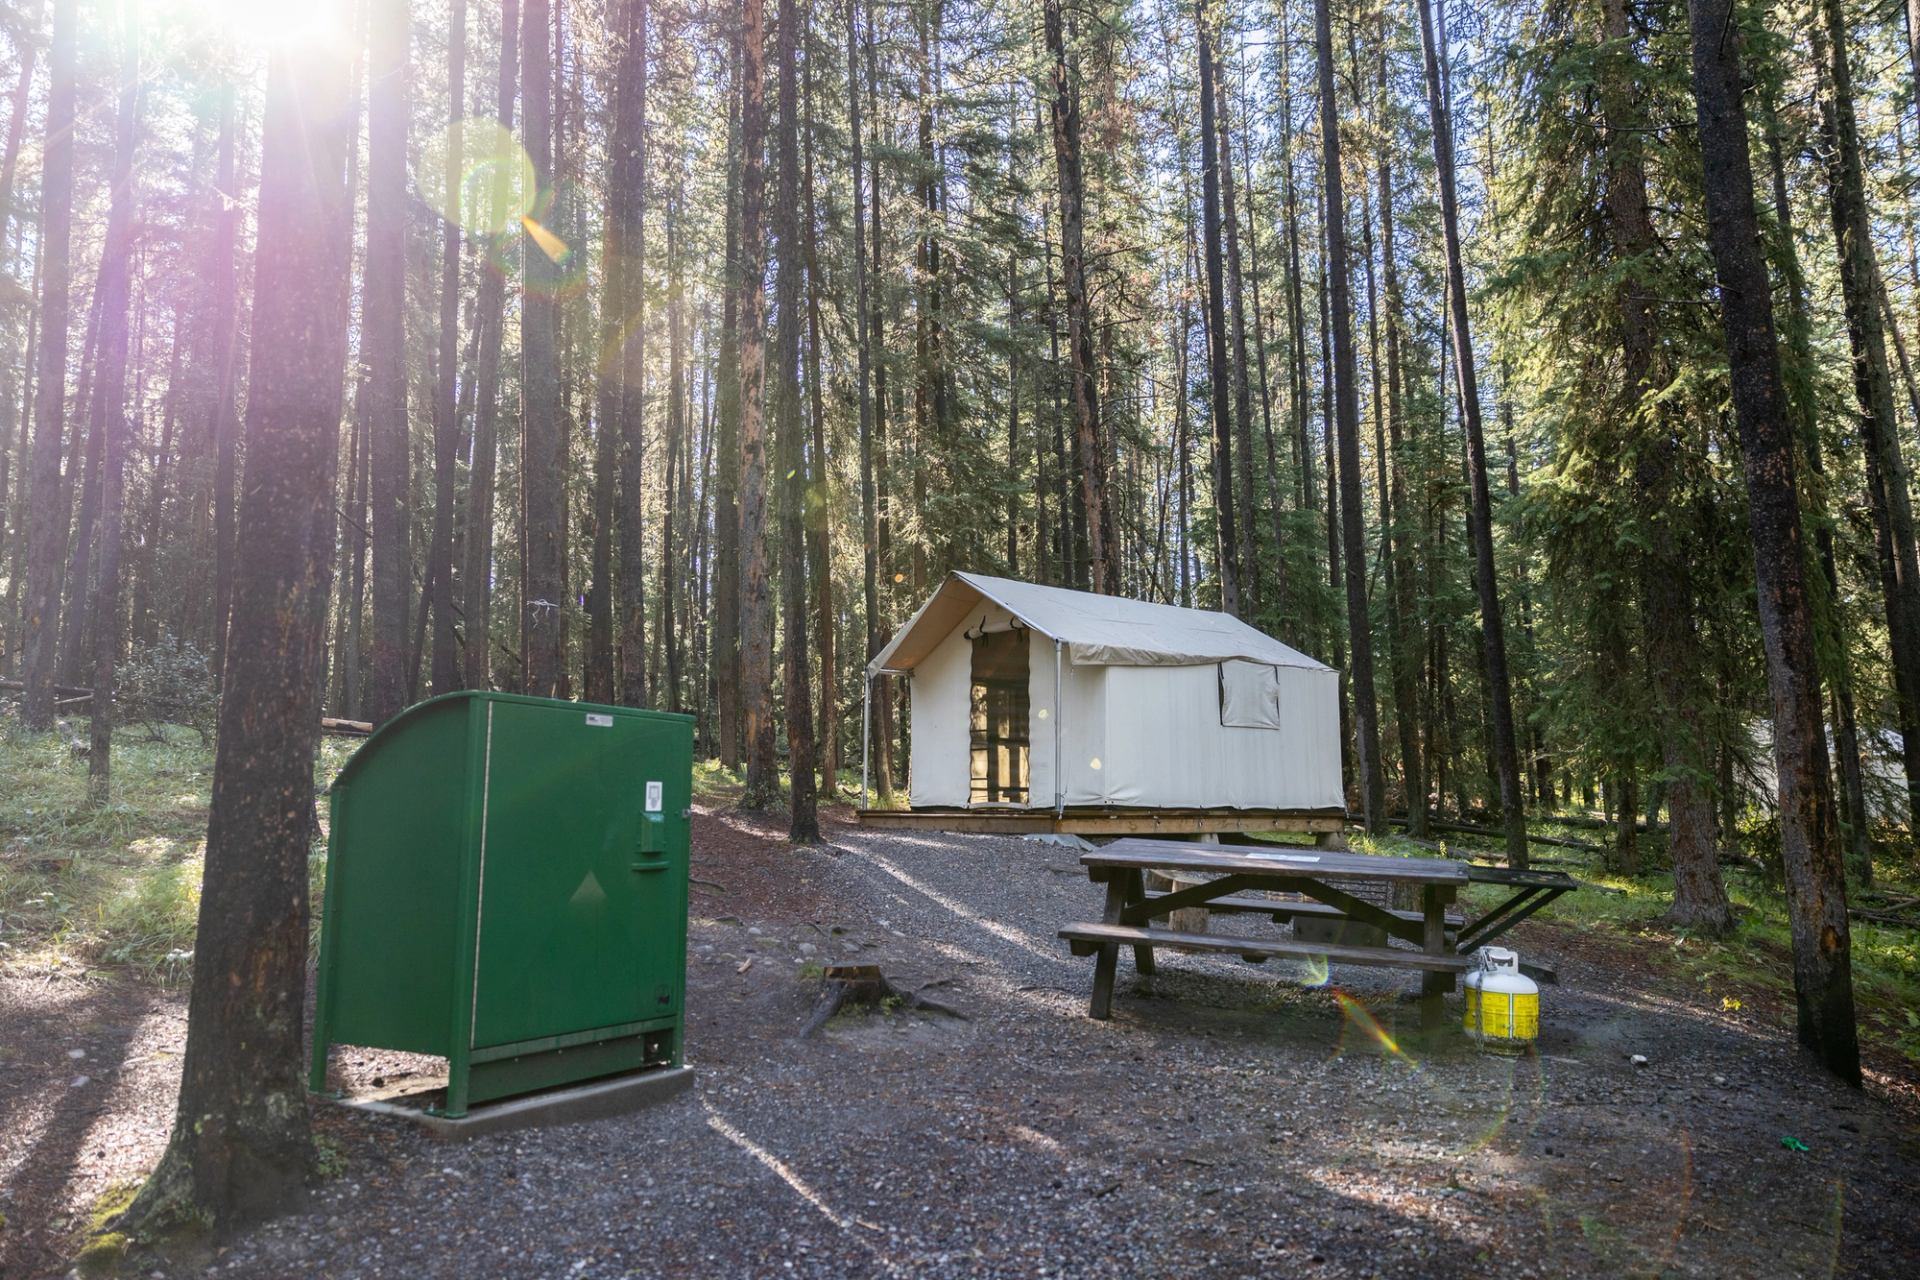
(1166, 747)
(1083, 727)
(941, 693)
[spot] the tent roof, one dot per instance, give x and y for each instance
(1099, 631)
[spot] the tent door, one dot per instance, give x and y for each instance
(998, 728)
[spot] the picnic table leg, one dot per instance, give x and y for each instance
(1108, 958)
(1136, 895)
(1434, 986)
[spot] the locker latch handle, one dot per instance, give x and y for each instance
(651, 843)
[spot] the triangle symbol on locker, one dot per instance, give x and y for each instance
(589, 894)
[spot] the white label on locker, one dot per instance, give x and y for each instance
(653, 797)
(599, 721)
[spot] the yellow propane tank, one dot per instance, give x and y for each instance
(1504, 1006)
(1470, 1020)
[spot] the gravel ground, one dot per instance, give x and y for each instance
(1229, 1120)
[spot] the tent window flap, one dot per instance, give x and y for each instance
(1249, 695)
(998, 730)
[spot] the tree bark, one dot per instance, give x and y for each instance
(445, 664)
(1407, 640)
(1243, 500)
(477, 596)
(1887, 489)
(863, 320)
(1089, 446)
(1346, 406)
(1506, 763)
(1810, 850)
(46, 504)
(627, 238)
(677, 509)
(1854, 817)
(756, 608)
(384, 322)
(239, 1147)
(817, 512)
(1218, 378)
(543, 645)
(725, 660)
(789, 432)
(110, 413)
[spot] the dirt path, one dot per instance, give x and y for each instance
(1225, 1122)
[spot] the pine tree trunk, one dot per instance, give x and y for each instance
(819, 515)
(1839, 679)
(1810, 849)
(756, 606)
(144, 629)
(445, 664)
(1346, 415)
(1218, 362)
(863, 321)
(383, 320)
(1089, 445)
(110, 413)
(46, 504)
(789, 435)
(598, 683)
(883, 701)
(1243, 500)
(725, 659)
(1872, 381)
(477, 597)
(79, 572)
(627, 236)
(239, 1148)
(1506, 763)
(1408, 642)
(677, 508)
(543, 628)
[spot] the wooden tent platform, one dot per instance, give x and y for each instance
(1094, 821)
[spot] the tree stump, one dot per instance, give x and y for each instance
(864, 986)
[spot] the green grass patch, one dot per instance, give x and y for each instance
(113, 886)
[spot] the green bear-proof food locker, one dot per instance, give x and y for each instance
(507, 889)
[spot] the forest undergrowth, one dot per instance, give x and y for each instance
(115, 888)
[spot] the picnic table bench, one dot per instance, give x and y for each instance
(1445, 942)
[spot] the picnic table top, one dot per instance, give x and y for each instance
(1280, 861)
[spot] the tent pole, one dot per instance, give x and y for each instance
(1059, 765)
(866, 734)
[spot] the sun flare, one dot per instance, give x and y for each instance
(255, 24)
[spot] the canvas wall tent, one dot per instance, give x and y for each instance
(1032, 697)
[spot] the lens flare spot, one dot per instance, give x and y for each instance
(1318, 972)
(550, 244)
(1094, 764)
(494, 182)
(1356, 1015)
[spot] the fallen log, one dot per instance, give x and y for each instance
(1884, 917)
(59, 690)
(347, 728)
(1469, 829)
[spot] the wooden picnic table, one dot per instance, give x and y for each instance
(1240, 873)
